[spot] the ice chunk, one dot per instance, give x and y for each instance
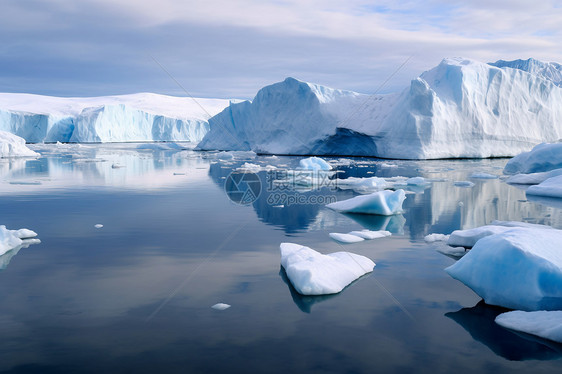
(483, 176)
(314, 163)
(552, 187)
(384, 203)
(466, 184)
(362, 184)
(459, 109)
(312, 273)
(369, 235)
(533, 178)
(468, 238)
(435, 238)
(346, 238)
(98, 225)
(10, 239)
(416, 181)
(543, 157)
(221, 306)
(546, 324)
(520, 268)
(14, 146)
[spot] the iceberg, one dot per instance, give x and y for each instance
(548, 70)
(124, 118)
(312, 273)
(385, 203)
(10, 239)
(551, 187)
(533, 178)
(346, 238)
(520, 268)
(460, 109)
(545, 324)
(13, 146)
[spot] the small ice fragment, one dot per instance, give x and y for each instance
(369, 235)
(436, 238)
(460, 203)
(345, 238)
(416, 181)
(463, 184)
(483, 176)
(382, 202)
(221, 306)
(98, 225)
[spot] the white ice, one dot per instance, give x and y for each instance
(533, 178)
(13, 146)
(519, 268)
(312, 273)
(435, 238)
(368, 184)
(551, 187)
(140, 117)
(10, 239)
(546, 324)
(543, 157)
(369, 234)
(460, 108)
(384, 203)
(221, 306)
(346, 238)
(314, 163)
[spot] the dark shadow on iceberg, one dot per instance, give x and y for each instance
(479, 322)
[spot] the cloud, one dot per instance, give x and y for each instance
(232, 48)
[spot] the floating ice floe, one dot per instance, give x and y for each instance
(533, 178)
(221, 306)
(10, 239)
(14, 146)
(384, 203)
(543, 157)
(359, 236)
(255, 168)
(518, 268)
(466, 184)
(314, 163)
(467, 238)
(483, 176)
(435, 238)
(369, 184)
(98, 225)
(417, 181)
(312, 273)
(346, 238)
(546, 324)
(551, 187)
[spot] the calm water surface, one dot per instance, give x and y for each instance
(136, 294)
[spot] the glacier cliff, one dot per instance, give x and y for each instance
(461, 108)
(124, 118)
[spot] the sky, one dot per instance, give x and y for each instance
(230, 49)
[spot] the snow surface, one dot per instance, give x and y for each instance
(314, 163)
(468, 238)
(461, 108)
(125, 118)
(13, 146)
(312, 273)
(384, 203)
(10, 239)
(519, 268)
(546, 324)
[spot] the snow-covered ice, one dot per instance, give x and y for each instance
(13, 146)
(312, 273)
(460, 108)
(435, 238)
(221, 306)
(369, 234)
(346, 238)
(551, 187)
(10, 239)
(519, 268)
(384, 203)
(314, 163)
(140, 117)
(543, 157)
(546, 324)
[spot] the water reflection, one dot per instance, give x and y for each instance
(479, 322)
